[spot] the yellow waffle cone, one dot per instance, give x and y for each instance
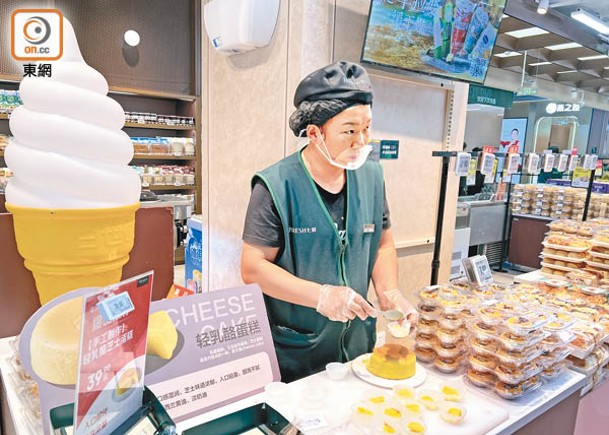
(69, 249)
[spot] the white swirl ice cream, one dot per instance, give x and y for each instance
(68, 150)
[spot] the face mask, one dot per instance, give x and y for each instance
(350, 159)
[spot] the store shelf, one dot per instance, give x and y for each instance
(162, 157)
(3, 116)
(169, 187)
(160, 126)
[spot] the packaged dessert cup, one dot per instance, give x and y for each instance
(452, 413)
(404, 392)
(430, 399)
(452, 391)
(483, 379)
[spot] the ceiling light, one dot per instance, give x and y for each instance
(509, 54)
(591, 21)
(132, 38)
(599, 56)
(525, 33)
(566, 72)
(565, 46)
(540, 63)
(542, 8)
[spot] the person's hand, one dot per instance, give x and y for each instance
(398, 302)
(343, 303)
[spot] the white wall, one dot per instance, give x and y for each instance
(482, 128)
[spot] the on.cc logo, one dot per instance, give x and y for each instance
(36, 30)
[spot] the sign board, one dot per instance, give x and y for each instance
(389, 149)
(489, 96)
(203, 351)
(462, 164)
(112, 355)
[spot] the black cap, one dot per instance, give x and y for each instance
(340, 81)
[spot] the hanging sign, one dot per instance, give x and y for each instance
(390, 149)
(487, 163)
(462, 164)
(563, 161)
(531, 163)
(548, 162)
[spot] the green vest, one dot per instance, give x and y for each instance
(305, 340)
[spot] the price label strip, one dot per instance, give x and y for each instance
(115, 306)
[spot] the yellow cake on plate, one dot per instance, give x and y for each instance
(392, 361)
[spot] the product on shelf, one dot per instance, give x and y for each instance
(5, 176)
(4, 140)
(9, 101)
(164, 146)
(392, 361)
(154, 118)
(166, 175)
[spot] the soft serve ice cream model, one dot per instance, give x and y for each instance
(73, 196)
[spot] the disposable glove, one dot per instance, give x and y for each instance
(400, 303)
(342, 304)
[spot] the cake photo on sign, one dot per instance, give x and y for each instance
(392, 361)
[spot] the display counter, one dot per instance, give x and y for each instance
(553, 406)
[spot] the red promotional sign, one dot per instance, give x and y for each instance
(513, 149)
(112, 355)
(488, 149)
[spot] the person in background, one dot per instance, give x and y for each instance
(543, 177)
(477, 187)
(318, 229)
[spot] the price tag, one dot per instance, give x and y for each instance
(488, 161)
(573, 161)
(594, 161)
(478, 270)
(471, 175)
(548, 162)
(532, 163)
(587, 162)
(462, 164)
(563, 161)
(311, 422)
(513, 161)
(115, 306)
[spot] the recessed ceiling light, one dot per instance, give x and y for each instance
(540, 63)
(598, 56)
(565, 46)
(543, 6)
(504, 16)
(525, 33)
(509, 54)
(591, 21)
(566, 72)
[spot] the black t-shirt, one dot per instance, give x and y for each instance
(263, 224)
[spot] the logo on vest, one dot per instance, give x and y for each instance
(302, 230)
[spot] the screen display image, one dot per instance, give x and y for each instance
(448, 38)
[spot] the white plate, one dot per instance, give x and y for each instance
(361, 371)
(565, 248)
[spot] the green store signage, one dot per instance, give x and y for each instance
(490, 96)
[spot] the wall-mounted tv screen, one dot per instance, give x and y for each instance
(448, 38)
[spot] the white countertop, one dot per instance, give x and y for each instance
(341, 394)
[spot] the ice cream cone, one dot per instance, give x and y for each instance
(68, 249)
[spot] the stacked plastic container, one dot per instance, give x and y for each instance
(565, 247)
(441, 333)
(598, 255)
(555, 201)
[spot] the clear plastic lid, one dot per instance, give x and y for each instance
(491, 315)
(483, 379)
(424, 354)
(484, 331)
(517, 374)
(426, 326)
(449, 336)
(429, 312)
(451, 321)
(510, 391)
(526, 322)
(483, 347)
(518, 357)
(452, 350)
(559, 322)
(447, 365)
(556, 370)
(482, 363)
(425, 340)
(453, 306)
(515, 342)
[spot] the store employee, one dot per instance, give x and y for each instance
(317, 229)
